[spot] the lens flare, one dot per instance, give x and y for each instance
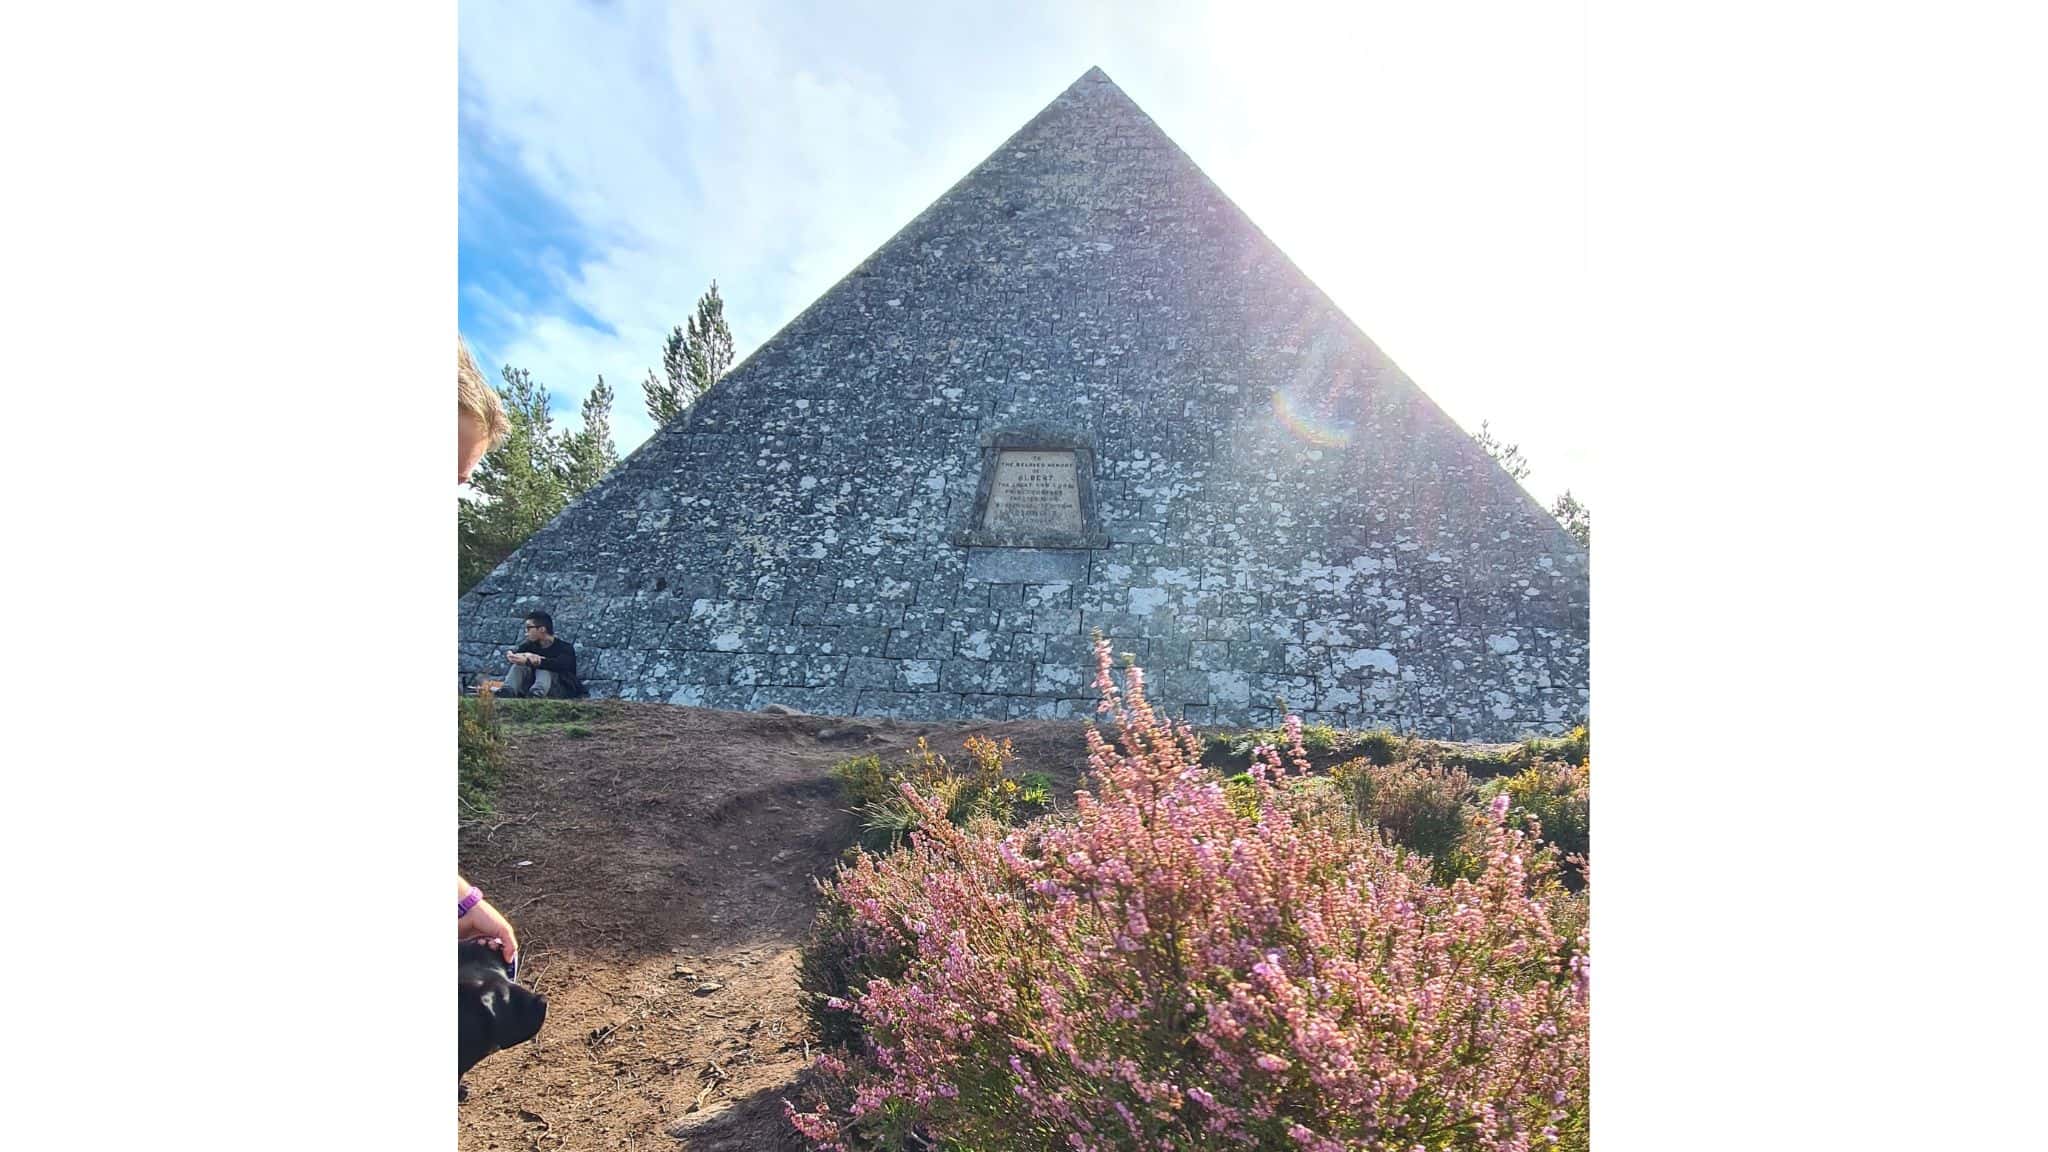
(1320, 431)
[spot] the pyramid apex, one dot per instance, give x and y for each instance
(1094, 75)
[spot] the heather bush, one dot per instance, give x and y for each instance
(479, 756)
(1160, 970)
(1424, 807)
(842, 958)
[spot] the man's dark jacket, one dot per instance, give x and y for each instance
(557, 656)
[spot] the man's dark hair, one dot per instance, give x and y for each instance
(543, 619)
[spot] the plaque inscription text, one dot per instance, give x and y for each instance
(1034, 491)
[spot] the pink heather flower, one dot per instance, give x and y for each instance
(1021, 982)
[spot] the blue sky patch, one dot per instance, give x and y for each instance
(515, 249)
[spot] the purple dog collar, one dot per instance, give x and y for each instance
(471, 899)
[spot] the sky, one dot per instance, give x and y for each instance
(1424, 165)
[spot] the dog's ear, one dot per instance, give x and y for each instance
(494, 1013)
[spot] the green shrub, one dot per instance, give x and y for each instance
(864, 780)
(480, 755)
(985, 790)
(1034, 794)
(1474, 760)
(1309, 797)
(1241, 794)
(1573, 748)
(1218, 747)
(1318, 739)
(886, 824)
(578, 730)
(1559, 796)
(1377, 747)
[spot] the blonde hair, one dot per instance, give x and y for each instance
(477, 399)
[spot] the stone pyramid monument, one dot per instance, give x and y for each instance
(1080, 393)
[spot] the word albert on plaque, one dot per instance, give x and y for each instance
(1035, 493)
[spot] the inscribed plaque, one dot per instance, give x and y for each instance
(1037, 491)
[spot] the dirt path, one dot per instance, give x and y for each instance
(660, 871)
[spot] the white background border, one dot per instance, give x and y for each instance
(1817, 228)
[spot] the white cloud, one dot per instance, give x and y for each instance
(1422, 165)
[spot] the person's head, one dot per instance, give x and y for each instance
(480, 422)
(540, 627)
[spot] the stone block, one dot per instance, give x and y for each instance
(871, 672)
(1013, 566)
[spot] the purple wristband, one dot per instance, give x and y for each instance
(474, 897)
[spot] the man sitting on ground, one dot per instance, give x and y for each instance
(544, 664)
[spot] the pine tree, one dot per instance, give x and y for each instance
(1509, 455)
(590, 451)
(529, 478)
(519, 485)
(692, 360)
(1576, 518)
(668, 395)
(710, 342)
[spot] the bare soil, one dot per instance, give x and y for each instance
(661, 872)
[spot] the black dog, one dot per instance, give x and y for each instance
(491, 1011)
